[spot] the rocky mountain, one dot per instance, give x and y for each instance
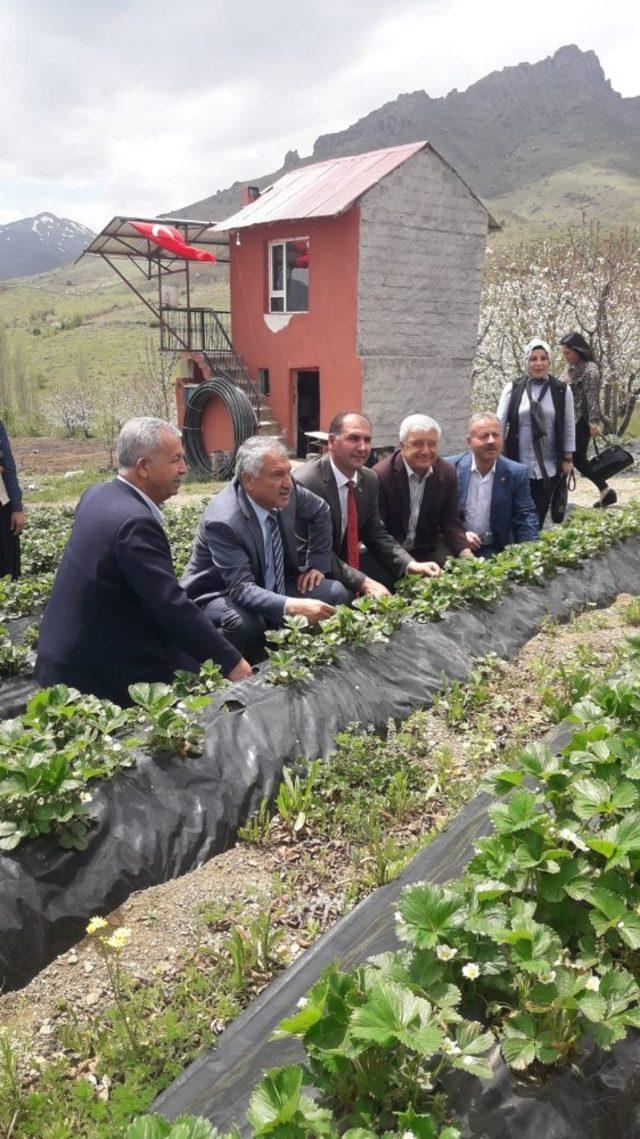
(35, 245)
(539, 142)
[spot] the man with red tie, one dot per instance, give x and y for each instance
(365, 558)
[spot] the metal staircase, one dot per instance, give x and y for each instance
(207, 333)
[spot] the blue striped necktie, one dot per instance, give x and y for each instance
(278, 552)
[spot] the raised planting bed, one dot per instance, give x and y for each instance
(203, 946)
(492, 985)
(253, 729)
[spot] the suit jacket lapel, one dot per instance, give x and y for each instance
(500, 503)
(333, 499)
(286, 518)
(255, 530)
(464, 474)
(402, 482)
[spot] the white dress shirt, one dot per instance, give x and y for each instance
(477, 510)
(343, 491)
(155, 510)
(416, 494)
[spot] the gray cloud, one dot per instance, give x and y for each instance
(139, 104)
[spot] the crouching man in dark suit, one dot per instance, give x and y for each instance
(418, 493)
(116, 614)
(243, 571)
(366, 558)
(494, 494)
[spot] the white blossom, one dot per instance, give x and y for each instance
(445, 952)
(470, 971)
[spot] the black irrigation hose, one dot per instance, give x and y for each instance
(242, 418)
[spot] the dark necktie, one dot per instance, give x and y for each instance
(353, 541)
(278, 552)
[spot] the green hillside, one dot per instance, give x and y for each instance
(87, 312)
(561, 198)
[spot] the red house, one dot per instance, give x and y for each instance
(355, 283)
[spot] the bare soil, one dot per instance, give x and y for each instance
(169, 922)
(36, 456)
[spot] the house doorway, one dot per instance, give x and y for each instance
(307, 393)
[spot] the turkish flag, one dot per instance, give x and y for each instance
(168, 237)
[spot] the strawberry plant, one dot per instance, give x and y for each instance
(539, 937)
(468, 581)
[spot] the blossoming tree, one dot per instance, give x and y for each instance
(584, 280)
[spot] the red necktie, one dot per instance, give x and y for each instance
(353, 541)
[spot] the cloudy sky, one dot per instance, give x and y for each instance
(137, 106)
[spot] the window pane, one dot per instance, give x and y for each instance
(277, 276)
(297, 276)
(277, 304)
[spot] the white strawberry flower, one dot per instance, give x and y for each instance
(445, 952)
(470, 971)
(547, 978)
(592, 983)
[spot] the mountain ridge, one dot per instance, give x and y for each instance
(40, 243)
(507, 135)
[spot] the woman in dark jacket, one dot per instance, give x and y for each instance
(583, 377)
(538, 424)
(11, 515)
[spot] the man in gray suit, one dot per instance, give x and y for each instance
(365, 557)
(243, 570)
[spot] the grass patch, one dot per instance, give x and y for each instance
(55, 489)
(631, 612)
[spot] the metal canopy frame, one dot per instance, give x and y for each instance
(119, 241)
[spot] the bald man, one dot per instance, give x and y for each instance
(494, 495)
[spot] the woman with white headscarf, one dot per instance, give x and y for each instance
(538, 424)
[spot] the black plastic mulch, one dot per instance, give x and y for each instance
(165, 817)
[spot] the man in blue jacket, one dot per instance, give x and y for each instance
(243, 571)
(495, 501)
(117, 614)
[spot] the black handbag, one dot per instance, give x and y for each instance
(610, 461)
(560, 496)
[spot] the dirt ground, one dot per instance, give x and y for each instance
(35, 456)
(167, 922)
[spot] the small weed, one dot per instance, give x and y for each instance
(631, 612)
(256, 829)
(550, 626)
(218, 914)
(11, 1093)
(399, 796)
(443, 762)
(253, 947)
(380, 862)
(295, 795)
(242, 956)
(565, 686)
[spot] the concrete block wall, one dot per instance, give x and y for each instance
(422, 248)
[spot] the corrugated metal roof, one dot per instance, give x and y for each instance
(322, 190)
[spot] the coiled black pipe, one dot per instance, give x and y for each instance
(242, 416)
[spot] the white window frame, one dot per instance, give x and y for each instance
(282, 293)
